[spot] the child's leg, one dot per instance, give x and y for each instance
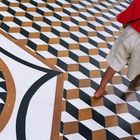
(134, 83)
(106, 77)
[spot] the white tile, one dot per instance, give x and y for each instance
(1, 79)
(17, 9)
(13, 1)
(92, 125)
(79, 19)
(60, 29)
(137, 137)
(42, 23)
(104, 33)
(3, 5)
(39, 1)
(85, 2)
(94, 0)
(63, 1)
(88, 90)
(117, 23)
(94, 11)
(38, 41)
(75, 136)
(23, 19)
(100, 7)
(54, 5)
(114, 11)
(115, 99)
(106, 50)
(95, 23)
(66, 117)
(62, 14)
(68, 60)
(2, 90)
(44, 9)
(86, 14)
(98, 58)
(104, 111)
(68, 85)
(50, 34)
(30, 29)
(125, 3)
(129, 117)
(78, 6)
(108, 15)
(89, 66)
(87, 28)
(6, 14)
(28, 5)
(78, 75)
(35, 14)
(79, 53)
(78, 34)
(111, 43)
(58, 47)
(135, 104)
(119, 132)
(18, 35)
(1, 101)
(88, 45)
(102, 19)
(111, 28)
(70, 10)
(79, 104)
(97, 39)
(106, 3)
(69, 23)
(121, 87)
(120, 7)
(46, 54)
(69, 40)
(12, 24)
(51, 18)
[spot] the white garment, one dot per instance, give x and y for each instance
(126, 50)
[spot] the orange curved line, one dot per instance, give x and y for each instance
(11, 96)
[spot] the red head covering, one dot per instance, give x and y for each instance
(132, 13)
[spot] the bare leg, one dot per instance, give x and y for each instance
(134, 83)
(109, 73)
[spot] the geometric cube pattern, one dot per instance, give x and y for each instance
(3, 92)
(75, 36)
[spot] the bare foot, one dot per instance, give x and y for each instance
(100, 92)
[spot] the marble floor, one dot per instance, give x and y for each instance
(52, 58)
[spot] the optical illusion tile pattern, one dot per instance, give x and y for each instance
(75, 36)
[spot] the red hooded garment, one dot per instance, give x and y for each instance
(132, 13)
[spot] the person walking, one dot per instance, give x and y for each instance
(126, 49)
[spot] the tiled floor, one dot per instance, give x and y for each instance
(73, 36)
(26, 103)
